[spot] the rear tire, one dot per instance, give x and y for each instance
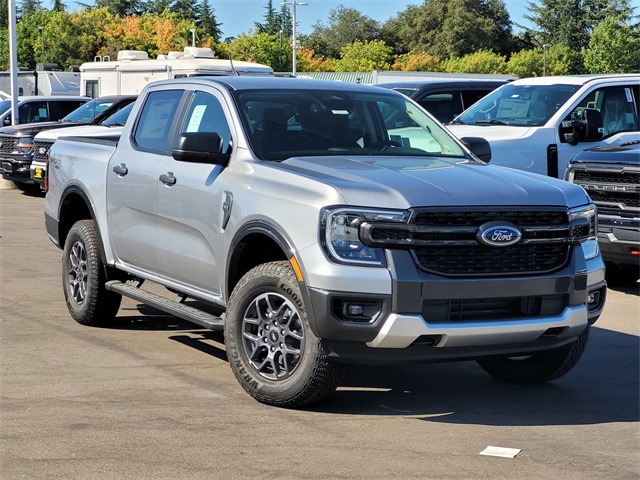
(272, 350)
(83, 278)
(537, 368)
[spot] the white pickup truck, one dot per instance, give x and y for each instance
(320, 224)
(539, 124)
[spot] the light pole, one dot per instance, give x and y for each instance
(42, 34)
(544, 60)
(294, 43)
(193, 37)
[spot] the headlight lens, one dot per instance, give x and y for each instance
(25, 145)
(340, 234)
(584, 223)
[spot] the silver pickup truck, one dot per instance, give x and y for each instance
(320, 224)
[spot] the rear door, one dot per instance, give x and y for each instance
(132, 177)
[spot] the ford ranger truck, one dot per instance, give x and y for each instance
(320, 224)
(611, 177)
(539, 124)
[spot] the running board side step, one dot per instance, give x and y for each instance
(177, 309)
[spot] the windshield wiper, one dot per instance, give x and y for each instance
(456, 121)
(491, 122)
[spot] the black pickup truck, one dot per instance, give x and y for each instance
(16, 142)
(611, 177)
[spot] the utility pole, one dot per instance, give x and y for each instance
(294, 43)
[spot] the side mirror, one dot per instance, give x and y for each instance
(479, 147)
(200, 147)
(588, 127)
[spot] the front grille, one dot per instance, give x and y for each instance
(7, 144)
(479, 260)
(500, 309)
(446, 241)
(611, 190)
(40, 150)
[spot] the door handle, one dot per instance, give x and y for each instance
(168, 178)
(121, 169)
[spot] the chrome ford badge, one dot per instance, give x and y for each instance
(498, 234)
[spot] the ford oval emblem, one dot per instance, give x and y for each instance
(499, 234)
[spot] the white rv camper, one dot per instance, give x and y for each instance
(133, 70)
(47, 79)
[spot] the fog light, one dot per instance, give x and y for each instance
(355, 310)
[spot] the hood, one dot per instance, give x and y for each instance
(78, 131)
(488, 132)
(404, 182)
(31, 129)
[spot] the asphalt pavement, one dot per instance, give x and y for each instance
(154, 398)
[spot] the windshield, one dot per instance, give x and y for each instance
(519, 105)
(88, 112)
(281, 124)
(119, 118)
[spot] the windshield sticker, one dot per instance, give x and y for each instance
(196, 118)
(512, 107)
(627, 92)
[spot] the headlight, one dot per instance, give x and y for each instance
(584, 223)
(340, 236)
(25, 145)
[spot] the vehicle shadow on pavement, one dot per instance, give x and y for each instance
(603, 388)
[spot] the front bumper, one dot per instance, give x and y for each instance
(16, 168)
(429, 317)
(619, 238)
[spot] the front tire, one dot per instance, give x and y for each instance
(83, 278)
(272, 350)
(537, 368)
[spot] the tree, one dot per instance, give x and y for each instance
(417, 62)
(120, 7)
(157, 6)
(451, 28)
(29, 7)
(570, 22)
(345, 26)
(308, 61)
(482, 61)
(614, 47)
(184, 9)
(364, 57)
(58, 6)
(206, 21)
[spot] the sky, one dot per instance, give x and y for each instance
(238, 16)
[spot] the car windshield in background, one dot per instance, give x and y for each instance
(88, 112)
(518, 105)
(282, 124)
(119, 118)
(5, 105)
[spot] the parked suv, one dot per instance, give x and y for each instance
(538, 124)
(32, 109)
(446, 98)
(17, 142)
(611, 176)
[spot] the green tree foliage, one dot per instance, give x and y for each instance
(186, 9)
(571, 22)
(364, 57)
(29, 7)
(345, 26)
(206, 21)
(417, 62)
(614, 47)
(120, 7)
(157, 6)
(452, 28)
(482, 61)
(58, 6)
(4, 17)
(261, 48)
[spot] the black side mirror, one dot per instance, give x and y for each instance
(479, 147)
(200, 147)
(588, 127)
